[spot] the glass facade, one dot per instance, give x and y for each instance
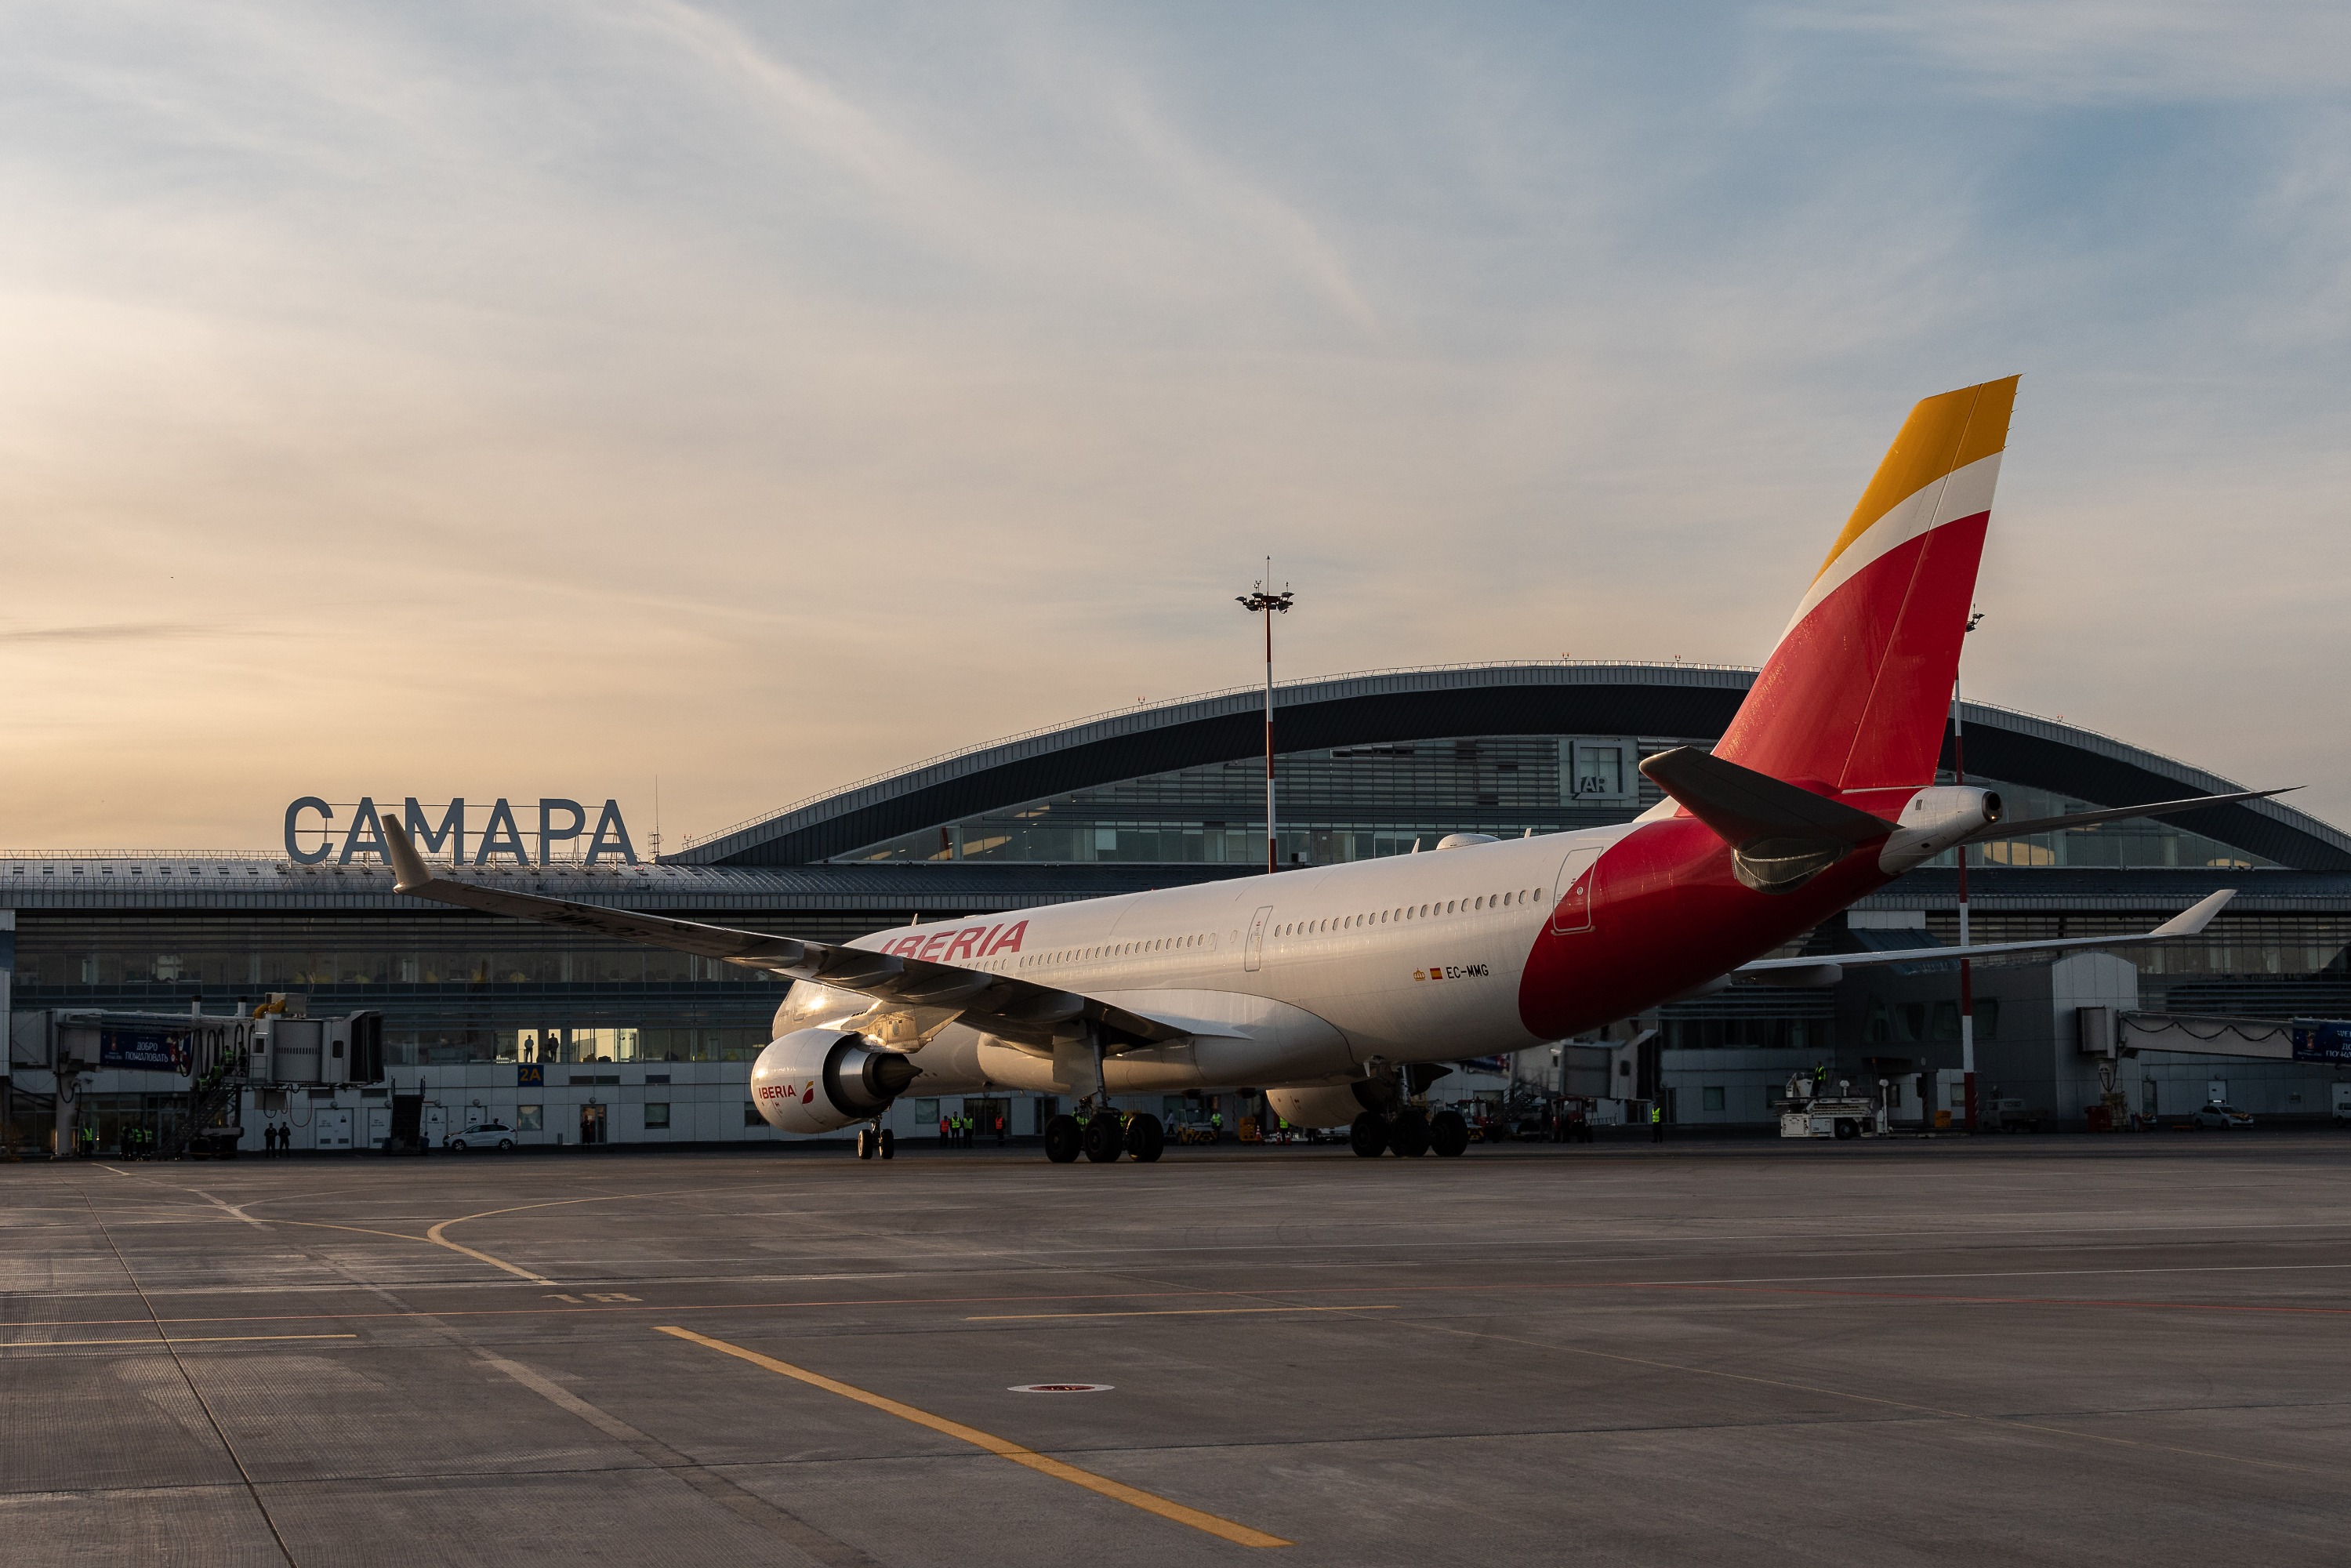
(1361, 802)
(451, 988)
(1347, 803)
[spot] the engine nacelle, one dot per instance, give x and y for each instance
(1934, 820)
(1332, 1105)
(818, 1080)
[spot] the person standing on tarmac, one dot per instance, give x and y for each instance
(943, 1129)
(1656, 1122)
(1216, 1126)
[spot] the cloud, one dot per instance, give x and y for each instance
(520, 394)
(116, 632)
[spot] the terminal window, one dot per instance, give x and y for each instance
(656, 1113)
(530, 1118)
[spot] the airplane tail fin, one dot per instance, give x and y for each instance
(1855, 694)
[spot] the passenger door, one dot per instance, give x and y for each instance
(1571, 905)
(1253, 955)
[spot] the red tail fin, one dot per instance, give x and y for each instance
(1855, 694)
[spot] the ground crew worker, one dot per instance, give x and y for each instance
(943, 1129)
(1216, 1126)
(1656, 1122)
(1000, 1129)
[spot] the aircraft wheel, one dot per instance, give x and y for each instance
(1146, 1138)
(1103, 1139)
(1448, 1134)
(1409, 1136)
(864, 1143)
(1369, 1135)
(889, 1144)
(1061, 1139)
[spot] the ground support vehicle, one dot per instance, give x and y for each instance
(481, 1136)
(2011, 1115)
(1850, 1117)
(2226, 1118)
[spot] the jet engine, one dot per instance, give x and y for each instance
(1335, 1105)
(1934, 819)
(818, 1080)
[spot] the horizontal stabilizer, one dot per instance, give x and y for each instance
(1781, 836)
(1741, 805)
(2118, 814)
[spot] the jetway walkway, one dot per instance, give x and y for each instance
(2220, 1034)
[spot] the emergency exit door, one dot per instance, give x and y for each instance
(1571, 907)
(1253, 956)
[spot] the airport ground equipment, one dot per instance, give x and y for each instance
(2009, 1113)
(1807, 1110)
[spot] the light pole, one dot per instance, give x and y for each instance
(1966, 973)
(1262, 601)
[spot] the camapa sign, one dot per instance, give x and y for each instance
(561, 821)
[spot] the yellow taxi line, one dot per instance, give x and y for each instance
(1134, 1496)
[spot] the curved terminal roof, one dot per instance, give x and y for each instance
(1396, 705)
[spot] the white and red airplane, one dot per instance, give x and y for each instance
(1325, 986)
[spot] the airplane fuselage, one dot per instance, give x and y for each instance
(1322, 973)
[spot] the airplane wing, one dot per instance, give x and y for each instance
(912, 998)
(1827, 970)
(2118, 814)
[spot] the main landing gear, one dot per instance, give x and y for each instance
(1409, 1132)
(876, 1143)
(1103, 1136)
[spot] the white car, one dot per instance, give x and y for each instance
(2222, 1116)
(481, 1134)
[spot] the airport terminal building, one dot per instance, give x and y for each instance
(556, 1036)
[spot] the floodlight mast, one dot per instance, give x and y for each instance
(1966, 973)
(1262, 601)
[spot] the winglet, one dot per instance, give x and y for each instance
(407, 865)
(2191, 920)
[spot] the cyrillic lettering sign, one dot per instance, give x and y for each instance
(501, 837)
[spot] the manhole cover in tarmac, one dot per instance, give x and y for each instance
(1059, 1388)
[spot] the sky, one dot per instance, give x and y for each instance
(520, 400)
